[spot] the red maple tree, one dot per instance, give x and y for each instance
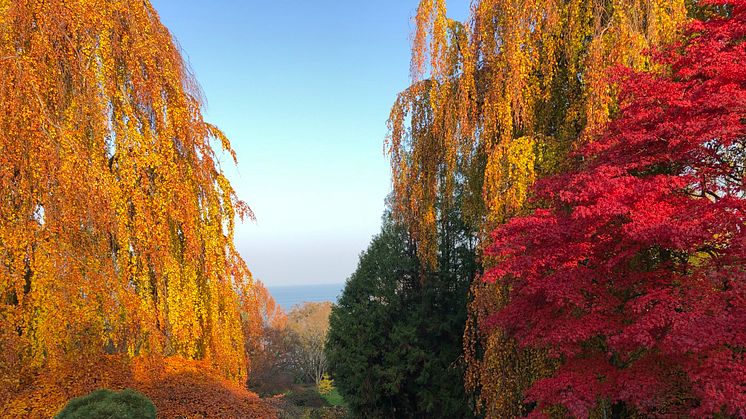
(632, 274)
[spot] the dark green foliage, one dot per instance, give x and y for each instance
(334, 398)
(103, 403)
(306, 397)
(306, 402)
(395, 337)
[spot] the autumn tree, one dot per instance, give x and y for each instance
(496, 103)
(268, 342)
(116, 221)
(309, 323)
(499, 100)
(630, 274)
(262, 311)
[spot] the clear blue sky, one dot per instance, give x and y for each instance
(303, 89)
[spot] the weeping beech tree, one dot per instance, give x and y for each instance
(116, 221)
(495, 104)
(507, 94)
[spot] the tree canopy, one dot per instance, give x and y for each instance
(630, 274)
(496, 103)
(394, 343)
(116, 225)
(499, 101)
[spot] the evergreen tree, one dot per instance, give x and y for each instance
(394, 342)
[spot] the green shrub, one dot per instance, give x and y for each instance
(306, 397)
(334, 398)
(103, 403)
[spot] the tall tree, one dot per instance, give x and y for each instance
(394, 344)
(506, 96)
(631, 274)
(495, 104)
(116, 222)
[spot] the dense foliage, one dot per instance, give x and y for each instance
(178, 387)
(500, 99)
(613, 286)
(117, 222)
(631, 274)
(496, 103)
(394, 343)
(269, 343)
(286, 349)
(125, 404)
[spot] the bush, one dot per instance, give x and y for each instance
(306, 397)
(334, 398)
(326, 385)
(103, 403)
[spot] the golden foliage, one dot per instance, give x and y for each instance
(178, 388)
(494, 104)
(116, 223)
(309, 321)
(262, 311)
(326, 385)
(497, 369)
(507, 95)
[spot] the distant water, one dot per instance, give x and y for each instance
(289, 295)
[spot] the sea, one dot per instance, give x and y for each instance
(288, 296)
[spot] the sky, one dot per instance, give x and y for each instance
(303, 90)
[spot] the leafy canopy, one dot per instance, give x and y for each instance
(631, 275)
(496, 103)
(116, 222)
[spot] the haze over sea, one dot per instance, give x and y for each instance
(289, 295)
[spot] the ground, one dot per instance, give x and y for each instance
(179, 388)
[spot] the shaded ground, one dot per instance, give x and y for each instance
(304, 401)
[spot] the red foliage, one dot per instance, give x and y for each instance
(191, 389)
(633, 273)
